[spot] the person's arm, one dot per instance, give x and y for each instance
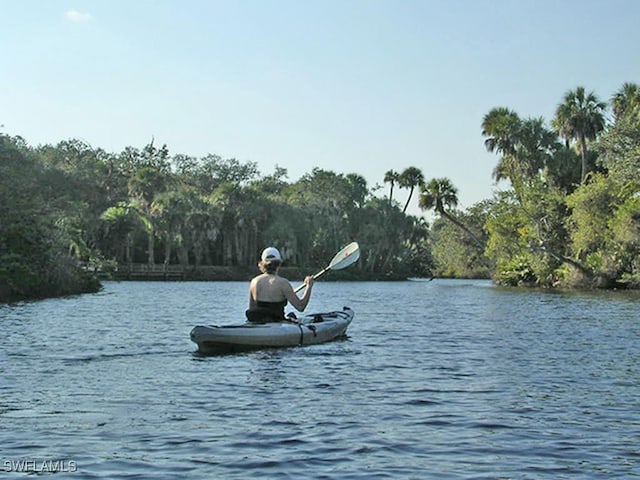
(299, 303)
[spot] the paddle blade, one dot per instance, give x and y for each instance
(345, 257)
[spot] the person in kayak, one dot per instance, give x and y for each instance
(269, 292)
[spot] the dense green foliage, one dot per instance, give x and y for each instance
(70, 207)
(572, 215)
(569, 217)
(39, 224)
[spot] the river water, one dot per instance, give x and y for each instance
(446, 379)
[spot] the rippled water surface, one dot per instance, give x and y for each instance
(441, 379)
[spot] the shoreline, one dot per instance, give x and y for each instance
(231, 274)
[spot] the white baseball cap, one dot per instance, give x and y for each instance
(270, 254)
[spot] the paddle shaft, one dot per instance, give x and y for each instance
(345, 257)
(317, 275)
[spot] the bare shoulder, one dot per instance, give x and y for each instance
(283, 283)
(258, 280)
(282, 280)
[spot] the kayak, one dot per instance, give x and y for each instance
(308, 330)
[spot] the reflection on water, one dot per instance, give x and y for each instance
(441, 379)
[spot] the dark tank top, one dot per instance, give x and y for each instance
(267, 312)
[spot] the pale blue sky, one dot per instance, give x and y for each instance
(353, 86)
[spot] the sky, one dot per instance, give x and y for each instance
(351, 86)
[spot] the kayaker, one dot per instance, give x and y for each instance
(269, 292)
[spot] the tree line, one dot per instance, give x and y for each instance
(72, 209)
(569, 215)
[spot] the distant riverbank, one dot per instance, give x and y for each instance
(235, 273)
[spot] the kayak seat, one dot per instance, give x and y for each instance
(266, 312)
(260, 315)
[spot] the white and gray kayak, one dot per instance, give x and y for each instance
(308, 330)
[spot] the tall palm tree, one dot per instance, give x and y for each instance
(580, 117)
(391, 177)
(121, 222)
(144, 186)
(500, 126)
(535, 146)
(199, 229)
(440, 193)
(171, 209)
(410, 178)
(625, 99)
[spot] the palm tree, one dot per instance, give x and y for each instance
(144, 186)
(625, 100)
(391, 177)
(440, 193)
(171, 209)
(200, 229)
(410, 178)
(535, 147)
(121, 222)
(500, 126)
(580, 117)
